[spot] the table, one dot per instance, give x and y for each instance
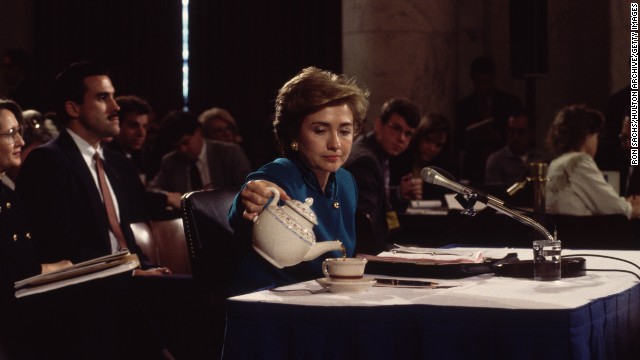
(596, 316)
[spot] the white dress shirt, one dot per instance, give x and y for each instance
(88, 151)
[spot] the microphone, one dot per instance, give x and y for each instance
(434, 175)
(437, 176)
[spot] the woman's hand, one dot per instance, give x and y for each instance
(49, 267)
(255, 196)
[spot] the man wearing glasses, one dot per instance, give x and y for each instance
(369, 164)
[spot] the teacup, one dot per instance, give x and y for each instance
(344, 269)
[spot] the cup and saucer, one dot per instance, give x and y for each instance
(345, 275)
(349, 286)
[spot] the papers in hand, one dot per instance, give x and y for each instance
(82, 272)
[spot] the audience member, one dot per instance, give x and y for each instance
(134, 117)
(218, 124)
(576, 186)
(481, 119)
(317, 114)
(197, 163)
(72, 190)
(511, 163)
(18, 261)
(427, 148)
(18, 78)
(67, 172)
(369, 164)
(37, 130)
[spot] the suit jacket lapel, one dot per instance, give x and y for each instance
(81, 170)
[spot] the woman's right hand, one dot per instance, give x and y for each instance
(255, 196)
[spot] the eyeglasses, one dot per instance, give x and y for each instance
(397, 129)
(12, 134)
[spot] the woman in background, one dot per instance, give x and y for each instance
(17, 253)
(317, 114)
(576, 186)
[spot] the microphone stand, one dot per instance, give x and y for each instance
(467, 197)
(518, 216)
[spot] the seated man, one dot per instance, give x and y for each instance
(218, 124)
(72, 189)
(511, 163)
(369, 164)
(134, 119)
(197, 163)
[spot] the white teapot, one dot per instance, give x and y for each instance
(283, 235)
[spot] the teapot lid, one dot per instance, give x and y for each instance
(303, 209)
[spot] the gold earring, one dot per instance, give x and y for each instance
(294, 146)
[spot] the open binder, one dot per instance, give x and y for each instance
(82, 272)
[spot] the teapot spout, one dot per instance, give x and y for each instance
(322, 247)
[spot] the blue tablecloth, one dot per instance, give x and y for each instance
(607, 327)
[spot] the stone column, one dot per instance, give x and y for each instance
(402, 48)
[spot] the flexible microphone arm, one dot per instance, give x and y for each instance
(432, 175)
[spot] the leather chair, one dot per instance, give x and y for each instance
(171, 245)
(211, 250)
(145, 240)
(209, 236)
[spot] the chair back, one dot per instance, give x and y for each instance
(211, 253)
(209, 237)
(145, 240)
(172, 245)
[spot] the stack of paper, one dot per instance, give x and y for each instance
(78, 273)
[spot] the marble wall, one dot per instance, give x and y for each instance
(422, 50)
(402, 48)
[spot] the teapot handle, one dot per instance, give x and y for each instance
(276, 198)
(276, 195)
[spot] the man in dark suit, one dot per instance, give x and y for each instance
(63, 186)
(197, 163)
(135, 117)
(369, 164)
(58, 182)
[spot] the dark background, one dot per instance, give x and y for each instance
(241, 52)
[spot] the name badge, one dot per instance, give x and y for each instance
(392, 220)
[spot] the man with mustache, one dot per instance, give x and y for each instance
(72, 187)
(59, 183)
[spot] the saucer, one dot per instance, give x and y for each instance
(346, 286)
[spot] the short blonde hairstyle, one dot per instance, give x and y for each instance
(310, 91)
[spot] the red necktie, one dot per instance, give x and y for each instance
(108, 204)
